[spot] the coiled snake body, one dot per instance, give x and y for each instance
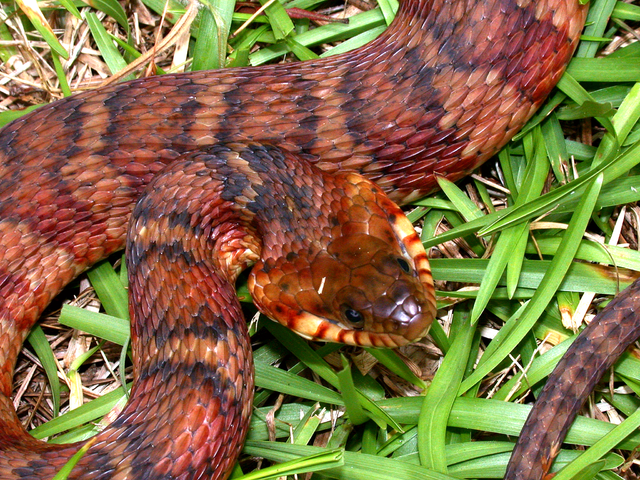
(438, 93)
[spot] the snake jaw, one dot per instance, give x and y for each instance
(412, 246)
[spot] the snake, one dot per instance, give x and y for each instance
(295, 169)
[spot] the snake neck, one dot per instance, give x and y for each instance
(231, 205)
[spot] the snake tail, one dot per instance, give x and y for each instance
(594, 351)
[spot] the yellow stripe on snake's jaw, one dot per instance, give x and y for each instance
(367, 282)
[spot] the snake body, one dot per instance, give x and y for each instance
(174, 160)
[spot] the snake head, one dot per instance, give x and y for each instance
(364, 281)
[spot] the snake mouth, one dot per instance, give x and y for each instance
(410, 241)
(320, 329)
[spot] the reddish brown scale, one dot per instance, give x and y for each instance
(437, 94)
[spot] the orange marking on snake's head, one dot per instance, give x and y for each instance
(365, 283)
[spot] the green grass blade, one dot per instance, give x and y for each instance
(501, 347)
(41, 346)
(432, 425)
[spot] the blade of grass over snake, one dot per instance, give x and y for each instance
(88, 412)
(557, 269)
(354, 42)
(389, 9)
(11, 115)
(65, 471)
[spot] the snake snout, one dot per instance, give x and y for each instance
(403, 311)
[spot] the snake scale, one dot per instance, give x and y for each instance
(202, 174)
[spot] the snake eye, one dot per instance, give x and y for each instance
(354, 317)
(404, 265)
